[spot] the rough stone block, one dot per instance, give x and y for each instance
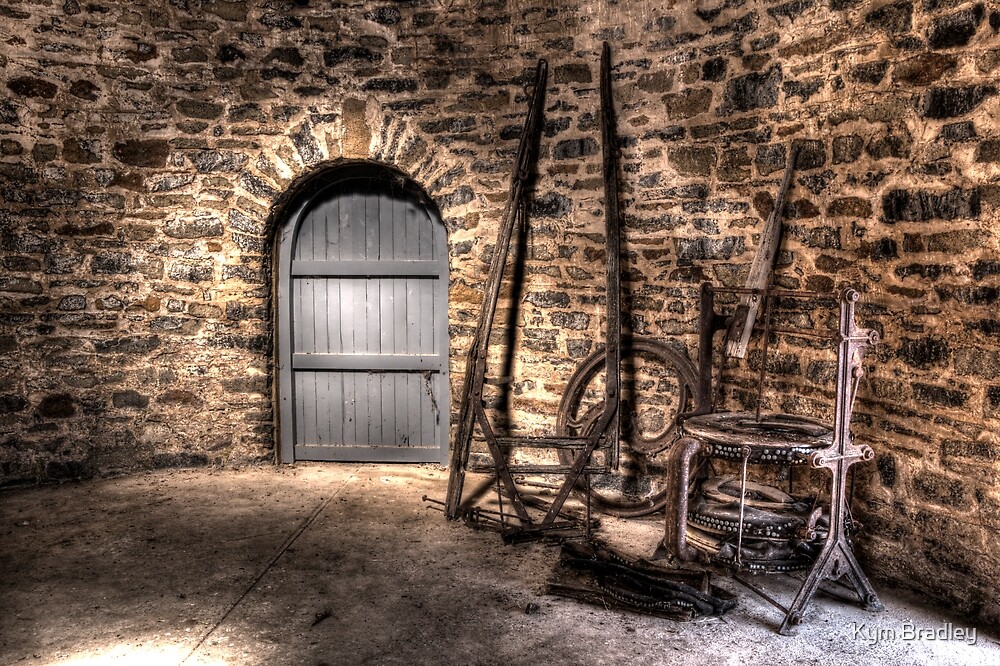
(770, 158)
(889, 146)
(924, 69)
(940, 396)
(751, 91)
(802, 89)
(193, 108)
(791, 10)
(926, 352)
(142, 152)
(572, 73)
(199, 227)
(548, 299)
(575, 148)
(714, 69)
(139, 344)
(56, 406)
(940, 489)
(811, 154)
(191, 271)
(921, 205)
(734, 165)
(940, 103)
(209, 161)
(693, 160)
(697, 249)
(955, 29)
(988, 151)
(886, 466)
(553, 205)
(129, 400)
(228, 10)
(20, 285)
(72, 302)
(29, 86)
(12, 403)
(849, 207)
(112, 263)
(847, 149)
(688, 104)
(230, 53)
(894, 18)
(964, 131)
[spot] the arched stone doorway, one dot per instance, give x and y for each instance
(362, 320)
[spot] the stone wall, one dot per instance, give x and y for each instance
(145, 148)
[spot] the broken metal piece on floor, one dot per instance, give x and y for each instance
(745, 526)
(570, 524)
(592, 572)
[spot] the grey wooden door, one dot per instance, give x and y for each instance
(363, 324)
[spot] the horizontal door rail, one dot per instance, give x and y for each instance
(425, 269)
(373, 453)
(370, 362)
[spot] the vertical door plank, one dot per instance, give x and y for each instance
(308, 423)
(372, 224)
(346, 205)
(373, 314)
(332, 316)
(387, 244)
(319, 315)
(300, 408)
(295, 305)
(359, 225)
(398, 324)
(305, 340)
(329, 213)
(347, 228)
(303, 239)
(422, 226)
(322, 383)
(399, 230)
(347, 316)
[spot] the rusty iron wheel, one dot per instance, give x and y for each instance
(658, 384)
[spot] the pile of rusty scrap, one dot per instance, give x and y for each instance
(597, 574)
(719, 520)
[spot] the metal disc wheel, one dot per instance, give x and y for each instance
(658, 383)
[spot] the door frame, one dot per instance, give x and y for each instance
(288, 224)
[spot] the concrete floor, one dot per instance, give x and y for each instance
(344, 564)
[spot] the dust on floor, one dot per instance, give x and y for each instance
(343, 564)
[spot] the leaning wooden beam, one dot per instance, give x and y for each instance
(607, 426)
(475, 365)
(738, 335)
